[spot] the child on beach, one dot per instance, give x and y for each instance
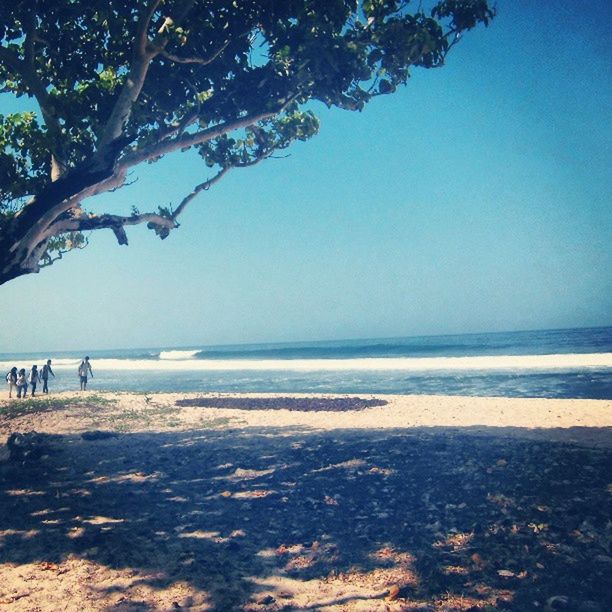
(34, 378)
(22, 383)
(11, 379)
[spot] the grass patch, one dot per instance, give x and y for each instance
(152, 415)
(20, 407)
(34, 405)
(129, 419)
(115, 417)
(220, 422)
(95, 400)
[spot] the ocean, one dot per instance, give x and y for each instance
(561, 363)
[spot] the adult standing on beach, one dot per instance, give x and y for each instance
(46, 370)
(11, 379)
(84, 368)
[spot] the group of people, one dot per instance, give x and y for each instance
(19, 381)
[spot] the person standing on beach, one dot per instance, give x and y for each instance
(34, 379)
(11, 379)
(46, 370)
(84, 368)
(22, 383)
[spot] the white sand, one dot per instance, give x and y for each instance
(586, 422)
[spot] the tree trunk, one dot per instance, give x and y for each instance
(23, 238)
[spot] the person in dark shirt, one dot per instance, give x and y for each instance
(46, 370)
(33, 379)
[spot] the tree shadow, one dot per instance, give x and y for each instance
(291, 519)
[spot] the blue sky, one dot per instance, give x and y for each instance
(478, 198)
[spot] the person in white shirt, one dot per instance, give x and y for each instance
(22, 383)
(84, 369)
(11, 379)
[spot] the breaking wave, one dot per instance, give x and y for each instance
(184, 361)
(178, 355)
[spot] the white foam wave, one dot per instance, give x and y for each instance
(409, 364)
(39, 361)
(178, 355)
(63, 362)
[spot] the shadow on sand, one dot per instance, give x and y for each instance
(246, 518)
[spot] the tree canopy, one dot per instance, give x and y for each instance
(118, 84)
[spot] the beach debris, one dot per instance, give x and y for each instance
(603, 559)
(589, 606)
(557, 602)
(247, 474)
(477, 560)
(27, 446)
(504, 573)
(394, 592)
(98, 435)
(302, 404)
(14, 598)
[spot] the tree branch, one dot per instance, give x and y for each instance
(203, 61)
(48, 260)
(206, 185)
(177, 128)
(70, 222)
(31, 225)
(199, 188)
(113, 222)
(58, 163)
(27, 70)
(142, 34)
(142, 55)
(189, 140)
(11, 60)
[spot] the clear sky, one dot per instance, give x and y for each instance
(478, 198)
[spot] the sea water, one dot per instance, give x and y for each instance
(569, 363)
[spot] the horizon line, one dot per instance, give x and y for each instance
(195, 345)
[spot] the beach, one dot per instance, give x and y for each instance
(569, 420)
(126, 501)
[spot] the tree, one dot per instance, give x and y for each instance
(118, 84)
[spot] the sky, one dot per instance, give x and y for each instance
(478, 198)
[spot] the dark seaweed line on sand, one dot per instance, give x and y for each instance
(304, 404)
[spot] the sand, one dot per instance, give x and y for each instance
(426, 502)
(580, 421)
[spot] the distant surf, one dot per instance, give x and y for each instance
(174, 355)
(180, 360)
